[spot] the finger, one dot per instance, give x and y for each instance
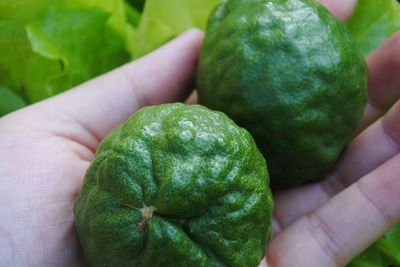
(344, 226)
(376, 145)
(340, 8)
(383, 81)
(101, 104)
(263, 263)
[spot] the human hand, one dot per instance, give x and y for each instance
(46, 148)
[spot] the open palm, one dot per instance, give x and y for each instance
(46, 148)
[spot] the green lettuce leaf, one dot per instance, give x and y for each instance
(389, 247)
(132, 15)
(60, 44)
(162, 20)
(137, 4)
(9, 101)
(79, 40)
(20, 66)
(372, 23)
(22, 10)
(369, 258)
(383, 253)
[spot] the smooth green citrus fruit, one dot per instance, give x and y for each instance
(289, 72)
(175, 185)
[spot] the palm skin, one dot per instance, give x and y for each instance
(46, 148)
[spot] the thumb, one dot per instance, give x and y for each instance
(97, 106)
(340, 8)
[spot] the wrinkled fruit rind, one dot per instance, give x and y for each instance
(200, 174)
(289, 72)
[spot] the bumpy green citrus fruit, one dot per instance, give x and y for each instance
(289, 72)
(175, 185)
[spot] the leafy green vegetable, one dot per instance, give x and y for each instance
(59, 44)
(389, 246)
(55, 45)
(383, 253)
(137, 4)
(81, 56)
(132, 15)
(20, 65)
(22, 10)
(9, 101)
(160, 23)
(370, 258)
(372, 23)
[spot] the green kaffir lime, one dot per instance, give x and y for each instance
(290, 73)
(175, 185)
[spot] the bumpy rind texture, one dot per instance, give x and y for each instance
(201, 174)
(289, 72)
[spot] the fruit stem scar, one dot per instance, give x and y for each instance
(147, 213)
